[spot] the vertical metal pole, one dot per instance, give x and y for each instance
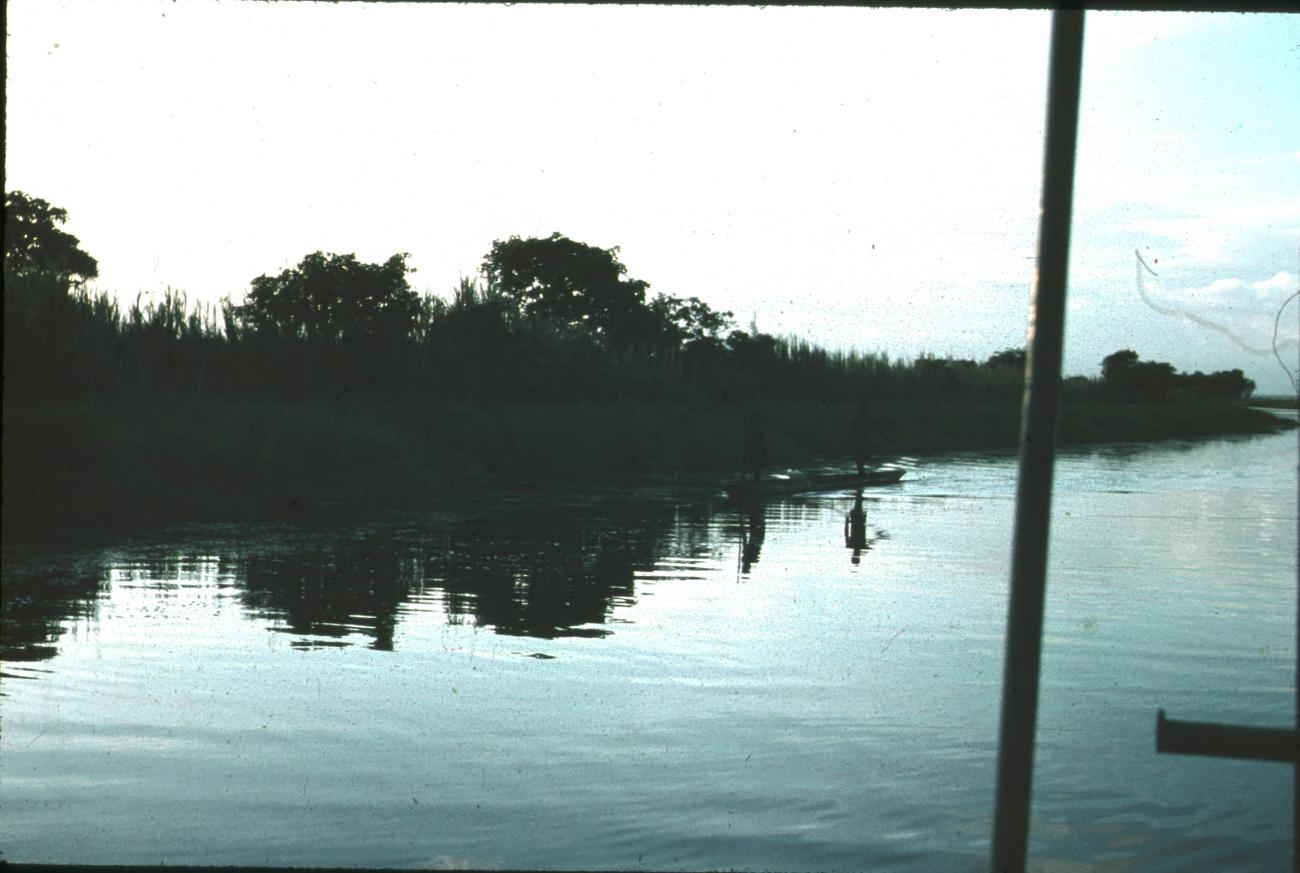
(1038, 426)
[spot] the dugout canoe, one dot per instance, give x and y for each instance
(805, 483)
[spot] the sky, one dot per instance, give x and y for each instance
(861, 178)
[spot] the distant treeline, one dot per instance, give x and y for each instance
(1125, 377)
(548, 319)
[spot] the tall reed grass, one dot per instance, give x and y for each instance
(475, 346)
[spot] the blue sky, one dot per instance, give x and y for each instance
(862, 178)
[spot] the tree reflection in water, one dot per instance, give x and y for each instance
(538, 570)
(37, 608)
(546, 577)
(353, 587)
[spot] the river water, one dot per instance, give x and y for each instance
(650, 678)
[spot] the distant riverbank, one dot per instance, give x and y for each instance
(1275, 402)
(157, 459)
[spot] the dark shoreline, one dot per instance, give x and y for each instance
(136, 464)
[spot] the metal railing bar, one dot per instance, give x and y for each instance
(1214, 739)
(1039, 420)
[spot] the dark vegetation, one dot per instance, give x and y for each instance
(1125, 377)
(335, 382)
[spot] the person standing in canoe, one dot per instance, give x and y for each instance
(860, 437)
(753, 450)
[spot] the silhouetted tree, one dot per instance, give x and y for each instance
(1008, 359)
(1150, 380)
(572, 282)
(1113, 364)
(332, 297)
(690, 320)
(35, 246)
(53, 340)
(1231, 384)
(1124, 377)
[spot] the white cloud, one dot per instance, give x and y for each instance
(1219, 292)
(1221, 289)
(1220, 286)
(1218, 238)
(1281, 281)
(1223, 312)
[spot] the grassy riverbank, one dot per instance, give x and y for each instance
(156, 458)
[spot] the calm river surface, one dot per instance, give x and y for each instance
(650, 678)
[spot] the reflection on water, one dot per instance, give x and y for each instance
(381, 694)
(523, 572)
(857, 536)
(535, 571)
(350, 588)
(753, 529)
(35, 608)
